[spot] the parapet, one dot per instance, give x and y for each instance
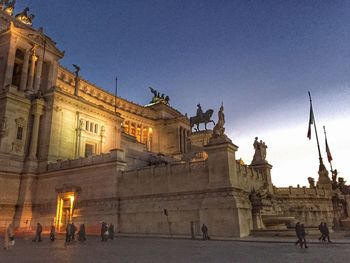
(113, 156)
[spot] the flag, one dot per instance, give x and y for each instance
(311, 121)
(329, 156)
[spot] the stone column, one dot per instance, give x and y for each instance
(38, 71)
(24, 74)
(37, 111)
(10, 62)
(31, 73)
(180, 139)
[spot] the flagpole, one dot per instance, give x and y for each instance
(115, 94)
(325, 135)
(318, 144)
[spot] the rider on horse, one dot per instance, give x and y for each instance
(199, 110)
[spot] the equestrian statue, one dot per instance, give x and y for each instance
(201, 118)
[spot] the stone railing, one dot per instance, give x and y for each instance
(113, 156)
(299, 191)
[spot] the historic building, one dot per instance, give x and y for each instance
(71, 151)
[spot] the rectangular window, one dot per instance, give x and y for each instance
(91, 127)
(96, 128)
(19, 133)
(87, 125)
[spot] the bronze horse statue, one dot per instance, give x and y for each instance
(205, 118)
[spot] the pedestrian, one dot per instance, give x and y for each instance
(326, 233)
(52, 233)
(321, 228)
(9, 237)
(68, 232)
(111, 231)
(82, 233)
(38, 231)
(192, 230)
(298, 234)
(205, 232)
(74, 229)
(303, 234)
(104, 231)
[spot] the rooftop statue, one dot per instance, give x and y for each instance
(201, 118)
(24, 17)
(9, 6)
(219, 129)
(159, 98)
(260, 151)
(77, 69)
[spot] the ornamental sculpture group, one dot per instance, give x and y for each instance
(9, 6)
(260, 152)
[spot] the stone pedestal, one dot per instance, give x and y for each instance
(221, 163)
(323, 179)
(265, 169)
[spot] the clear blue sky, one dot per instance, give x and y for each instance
(259, 57)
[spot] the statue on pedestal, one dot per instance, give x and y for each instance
(260, 151)
(201, 117)
(159, 98)
(219, 129)
(9, 6)
(25, 18)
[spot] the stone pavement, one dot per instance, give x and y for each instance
(132, 249)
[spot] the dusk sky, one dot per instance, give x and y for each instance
(259, 57)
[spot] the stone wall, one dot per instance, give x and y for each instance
(308, 205)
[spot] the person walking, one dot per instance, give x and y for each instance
(326, 233)
(321, 228)
(104, 230)
(68, 232)
(303, 234)
(205, 232)
(52, 233)
(82, 233)
(111, 231)
(192, 230)
(298, 234)
(39, 230)
(74, 229)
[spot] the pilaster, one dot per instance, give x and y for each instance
(24, 74)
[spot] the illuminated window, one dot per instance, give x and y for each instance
(145, 135)
(138, 133)
(132, 129)
(126, 127)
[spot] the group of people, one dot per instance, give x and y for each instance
(300, 232)
(107, 231)
(71, 229)
(324, 232)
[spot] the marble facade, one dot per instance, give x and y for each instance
(71, 151)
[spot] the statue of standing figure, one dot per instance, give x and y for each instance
(219, 129)
(260, 151)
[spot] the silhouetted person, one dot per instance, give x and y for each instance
(68, 232)
(326, 233)
(321, 228)
(38, 231)
(74, 229)
(104, 230)
(303, 234)
(82, 233)
(205, 232)
(298, 234)
(192, 230)
(9, 238)
(52, 233)
(111, 231)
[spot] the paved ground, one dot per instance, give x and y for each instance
(131, 249)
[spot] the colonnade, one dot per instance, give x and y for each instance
(183, 137)
(141, 132)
